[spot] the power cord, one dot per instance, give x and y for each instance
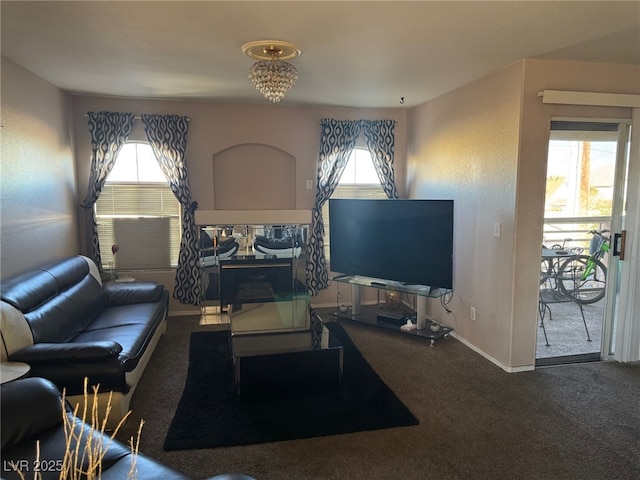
(341, 307)
(444, 302)
(445, 299)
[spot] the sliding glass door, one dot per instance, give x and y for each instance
(587, 166)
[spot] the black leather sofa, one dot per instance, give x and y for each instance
(32, 411)
(62, 321)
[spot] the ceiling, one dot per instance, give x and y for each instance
(354, 53)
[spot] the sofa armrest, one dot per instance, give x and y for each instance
(81, 352)
(29, 406)
(131, 293)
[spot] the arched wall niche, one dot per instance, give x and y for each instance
(254, 176)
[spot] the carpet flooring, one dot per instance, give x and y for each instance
(209, 414)
(477, 422)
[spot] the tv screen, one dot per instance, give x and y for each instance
(403, 240)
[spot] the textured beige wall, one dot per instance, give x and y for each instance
(265, 171)
(485, 146)
(38, 201)
(464, 146)
(215, 127)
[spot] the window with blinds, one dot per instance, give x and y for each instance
(138, 213)
(359, 180)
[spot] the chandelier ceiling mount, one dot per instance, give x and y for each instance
(272, 75)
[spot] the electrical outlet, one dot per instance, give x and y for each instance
(472, 313)
(309, 185)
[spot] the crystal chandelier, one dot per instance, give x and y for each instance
(272, 76)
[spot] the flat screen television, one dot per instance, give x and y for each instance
(403, 240)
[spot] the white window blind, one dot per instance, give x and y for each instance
(144, 221)
(137, 211)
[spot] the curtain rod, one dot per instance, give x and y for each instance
(135, 117)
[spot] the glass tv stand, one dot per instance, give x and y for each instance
(372, 314)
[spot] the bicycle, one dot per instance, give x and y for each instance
(549, 267)
(583, 277)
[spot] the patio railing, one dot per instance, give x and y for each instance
(572, 231)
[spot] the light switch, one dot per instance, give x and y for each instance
(497, 227)
(309, 185)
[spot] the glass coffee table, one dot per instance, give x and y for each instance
(280, 351)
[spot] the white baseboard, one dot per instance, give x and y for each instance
(524, 368)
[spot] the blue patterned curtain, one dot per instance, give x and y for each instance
(167, 135)
(337, 141)
(380, 135)
(109, 132)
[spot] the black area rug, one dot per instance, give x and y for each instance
(209, 415)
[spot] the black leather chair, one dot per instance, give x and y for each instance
(32, 411)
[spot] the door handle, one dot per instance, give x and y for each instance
(619, 240)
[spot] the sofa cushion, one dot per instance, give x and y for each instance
(131, 326)
(129, 293)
